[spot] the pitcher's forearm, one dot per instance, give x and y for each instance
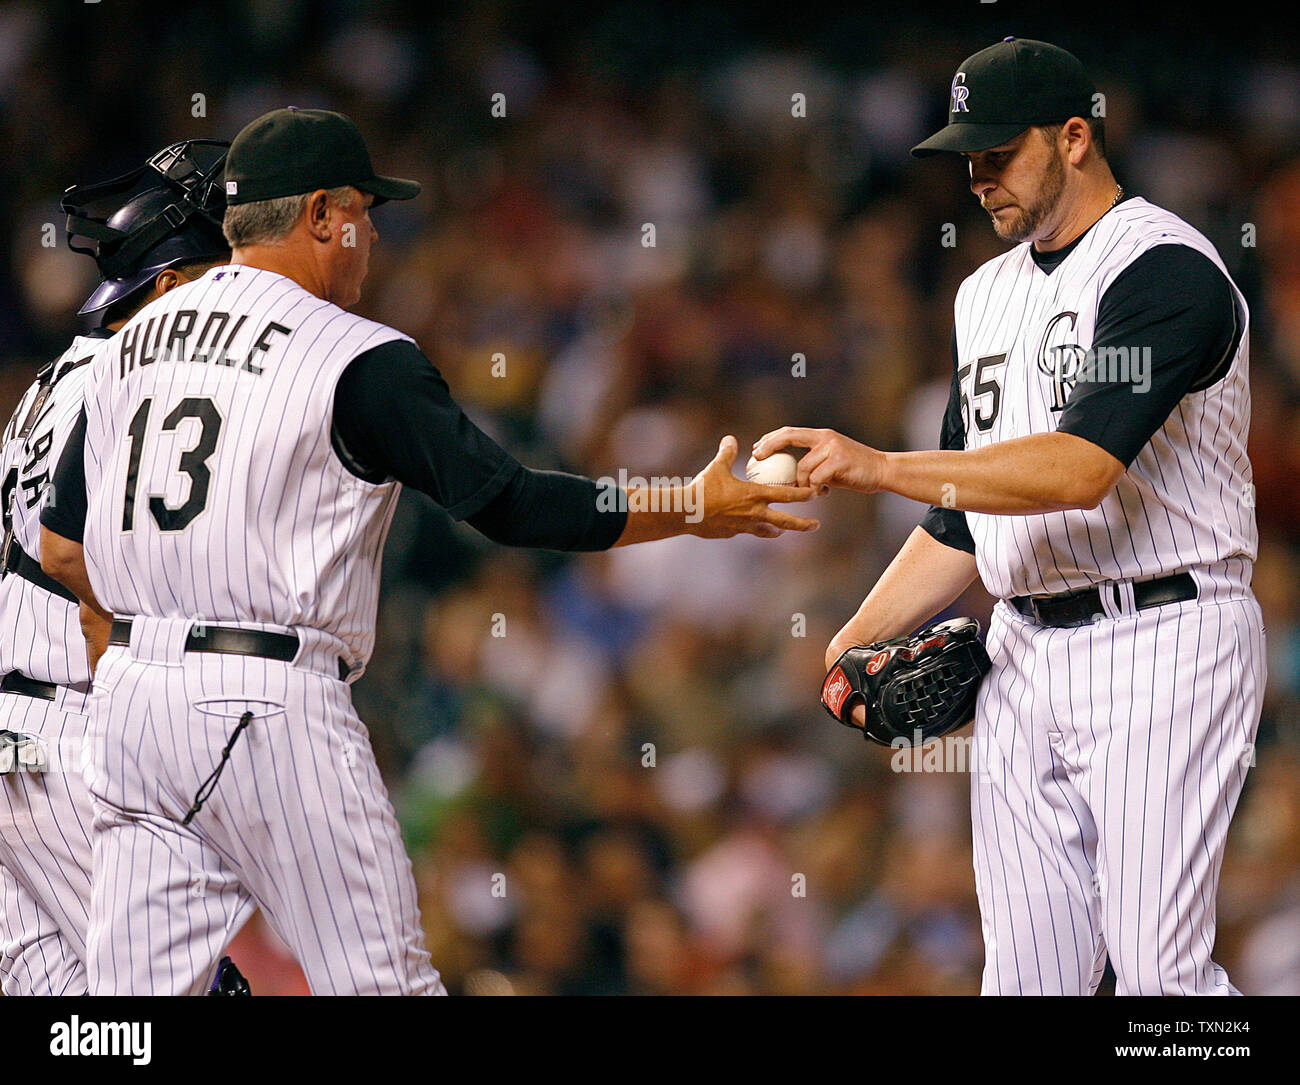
(925, 577)
(1041, 473)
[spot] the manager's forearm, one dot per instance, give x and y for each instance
(553, 510)
(1041, 473)
(665, 514)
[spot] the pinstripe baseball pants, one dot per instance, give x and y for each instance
(1109, 760)
(45, 851)
(299, 823)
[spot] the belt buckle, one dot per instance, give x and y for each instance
(1033, 606)
(1095, 615)
(1064, 598)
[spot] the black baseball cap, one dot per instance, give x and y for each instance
(290, 151)
(1006, 88)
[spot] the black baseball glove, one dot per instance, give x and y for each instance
(923, 684)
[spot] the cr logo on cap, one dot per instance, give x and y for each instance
(960, 92)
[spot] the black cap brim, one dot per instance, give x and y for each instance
(389, 188)
(966, 138)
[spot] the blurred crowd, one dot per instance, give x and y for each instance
(612, 770)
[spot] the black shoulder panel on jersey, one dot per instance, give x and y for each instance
(394, 418)
(66, 514)
(949, 526)
(1176, 310)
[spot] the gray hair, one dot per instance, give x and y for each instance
(268, 222)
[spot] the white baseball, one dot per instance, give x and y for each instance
(777, 470)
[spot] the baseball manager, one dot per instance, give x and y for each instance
(242, 450)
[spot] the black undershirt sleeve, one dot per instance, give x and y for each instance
(554, 511)
(64, 512)
(394, 417)
(1176, 304)
(948, 526)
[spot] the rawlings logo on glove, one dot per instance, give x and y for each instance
(835, 689)
(924, 683)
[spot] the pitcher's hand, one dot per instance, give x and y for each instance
(831, 460)
(724, 505)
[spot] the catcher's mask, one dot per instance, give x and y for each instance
(162, 214)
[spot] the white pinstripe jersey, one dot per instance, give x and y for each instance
(1185, 501)
(40, 632)
(213, 489)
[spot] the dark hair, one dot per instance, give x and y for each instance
(1096, 125)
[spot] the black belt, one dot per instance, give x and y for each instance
(1084, 607)
(227, 641)
(14, 682)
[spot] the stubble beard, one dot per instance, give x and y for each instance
(1024, 224)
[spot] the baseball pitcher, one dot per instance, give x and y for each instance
(1093, 474)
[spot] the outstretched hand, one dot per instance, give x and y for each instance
(831, 460)
(727, 505)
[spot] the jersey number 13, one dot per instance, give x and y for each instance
(193, 462)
